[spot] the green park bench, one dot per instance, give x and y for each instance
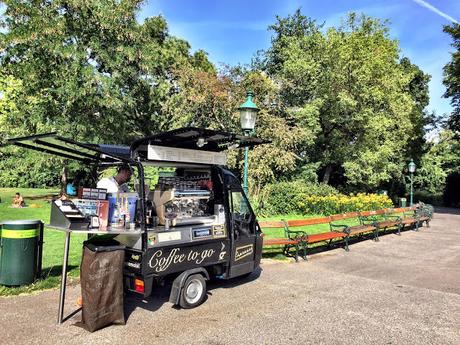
(344, 226)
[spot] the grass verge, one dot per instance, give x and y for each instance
(38, 207)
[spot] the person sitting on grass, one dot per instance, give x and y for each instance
(18, 201)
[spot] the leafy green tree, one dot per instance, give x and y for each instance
(207, 99)
(9, 116)
(204, 100)
(88, 70)
(352, 78)
(421, 119)
(296, 26)
(96, 73)
(290, 131)
(441, 159)
(19, 167)
(452, 77)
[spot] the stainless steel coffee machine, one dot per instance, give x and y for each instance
(179, 201)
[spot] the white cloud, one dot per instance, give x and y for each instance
(435, 10)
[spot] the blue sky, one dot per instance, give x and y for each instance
(231, 31)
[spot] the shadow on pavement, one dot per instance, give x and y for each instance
(160, 294)
(225, 284)
(447, 210)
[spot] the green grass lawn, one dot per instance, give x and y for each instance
(53, 247)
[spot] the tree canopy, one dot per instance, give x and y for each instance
(368, 103)
(339, 102)
(91, 66)
(88, 70)
(452, 77)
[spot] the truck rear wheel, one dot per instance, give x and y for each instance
(193, 292)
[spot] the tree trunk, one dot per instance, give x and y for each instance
(327, 174)
(64, 174)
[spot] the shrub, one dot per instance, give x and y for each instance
(283, 197)
(306, 198)
(334, 204)
(428, 197)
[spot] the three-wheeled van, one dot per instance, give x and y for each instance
(190, 223)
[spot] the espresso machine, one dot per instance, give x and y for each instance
(181, 201)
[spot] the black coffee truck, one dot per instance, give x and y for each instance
(193, 224)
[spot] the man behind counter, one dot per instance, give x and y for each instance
(117, 183)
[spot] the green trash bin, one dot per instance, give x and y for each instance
(21, 248)
(402, 202)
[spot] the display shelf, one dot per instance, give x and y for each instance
(109, 231)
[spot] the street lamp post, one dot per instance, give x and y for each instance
(411, 167)
(248, 115)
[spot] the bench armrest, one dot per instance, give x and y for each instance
(295, 233)
(409, 214)
(368, 220)
(341, 227)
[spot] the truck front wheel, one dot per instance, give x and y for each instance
(193, 292)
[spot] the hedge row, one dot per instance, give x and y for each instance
(307, 198)
(334, 204)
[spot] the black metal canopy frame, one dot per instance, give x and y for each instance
(67, 148)
(194, 138)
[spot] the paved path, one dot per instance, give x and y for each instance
(402, 290)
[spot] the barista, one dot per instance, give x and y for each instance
(117, 183)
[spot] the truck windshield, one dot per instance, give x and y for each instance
(241, 213)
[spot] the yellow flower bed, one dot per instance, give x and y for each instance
(340, 203)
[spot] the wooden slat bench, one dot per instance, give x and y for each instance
(327, 236)
(375, 218)
(286, 242)
(353, 230)
(408, 216)
(366, 222)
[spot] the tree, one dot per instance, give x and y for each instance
(421, 119)
(296, 26)
(207, 99)
(290, 131)
(88, 70)
(441, 159)
(352, 78)
(452, 77)
(96, 73)
(19, 167)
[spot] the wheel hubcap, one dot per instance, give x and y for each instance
(193, 291)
